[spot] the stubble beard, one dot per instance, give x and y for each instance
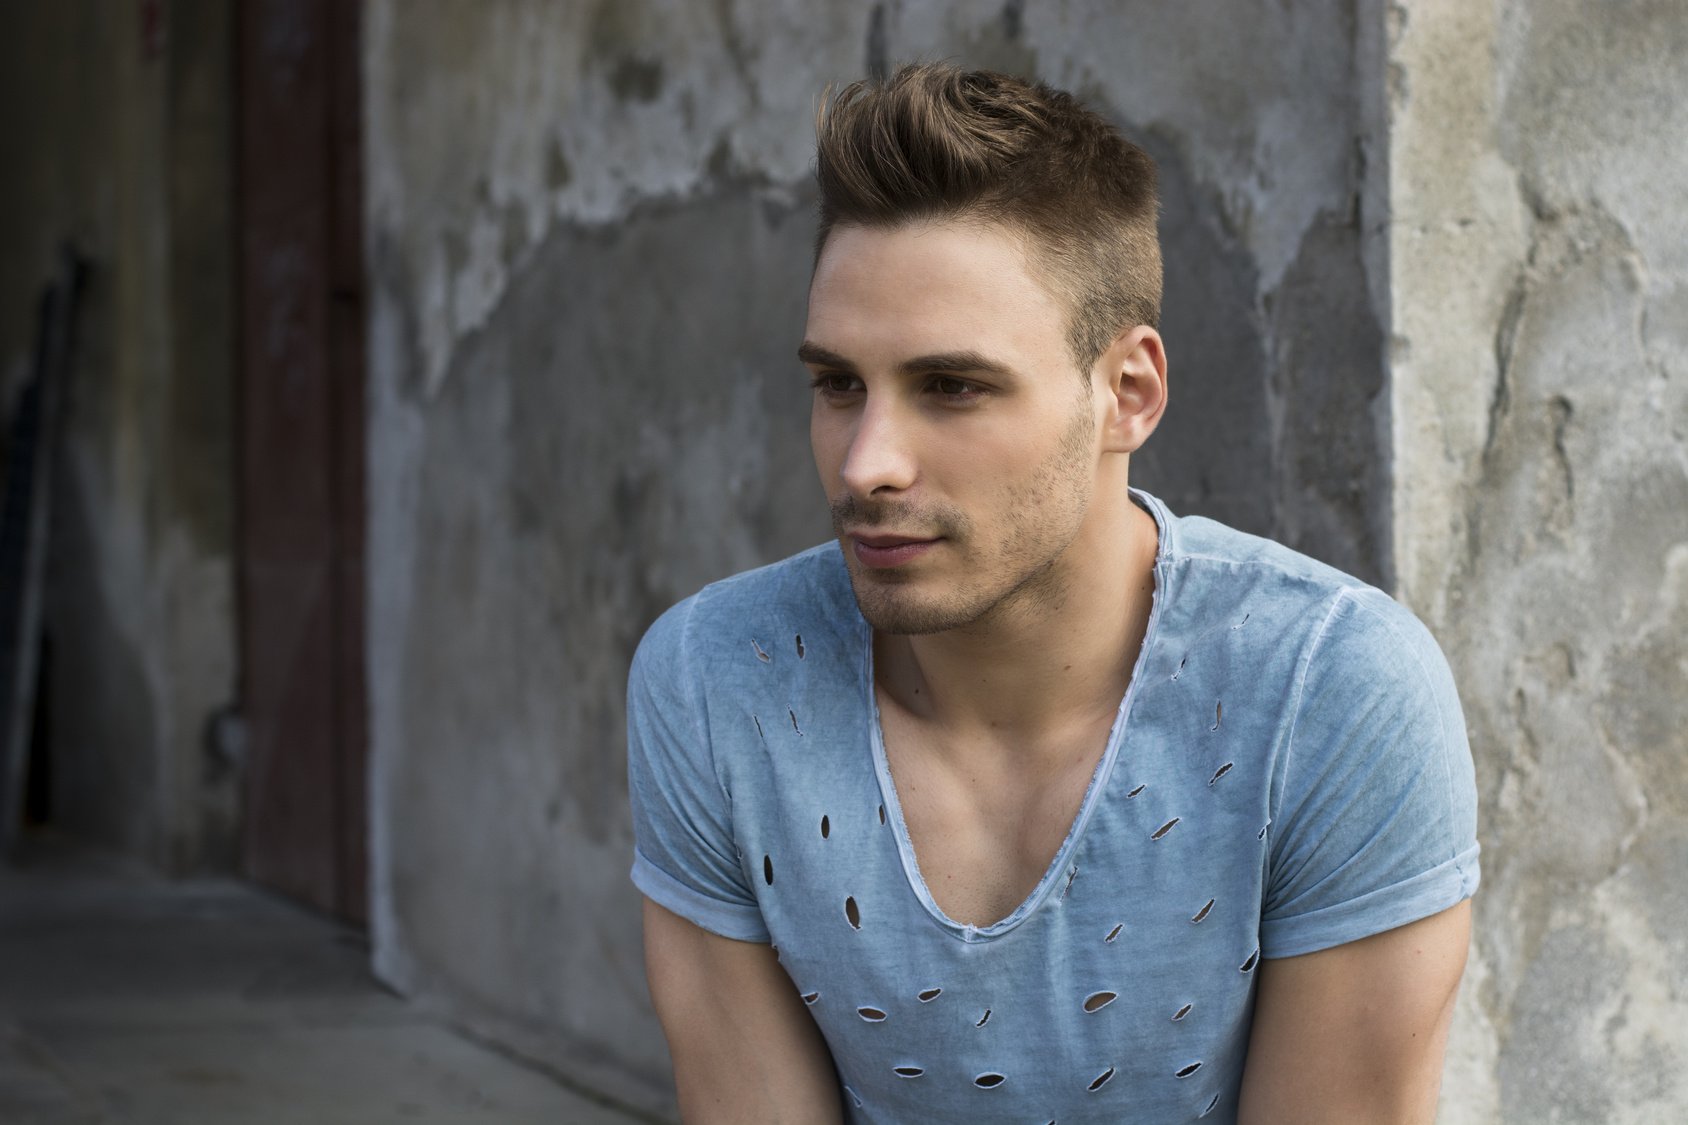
(1042, 516)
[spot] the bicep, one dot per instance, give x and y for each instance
(743, 1045)
(1357, 1032)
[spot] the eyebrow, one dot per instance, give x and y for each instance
(959, 363)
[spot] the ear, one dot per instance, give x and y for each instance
(1131, 376)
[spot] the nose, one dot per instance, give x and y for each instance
(880, 458)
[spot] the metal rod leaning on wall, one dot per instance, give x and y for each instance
(24, 523)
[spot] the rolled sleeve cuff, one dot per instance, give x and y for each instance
(1429, 893)
(729, 920)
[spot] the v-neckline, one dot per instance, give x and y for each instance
(1053, 874)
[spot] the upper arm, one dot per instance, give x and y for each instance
(744, 1046)
(1356, 1033)
(1374, 818)
(685, 854)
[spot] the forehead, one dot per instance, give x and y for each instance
(882, 294)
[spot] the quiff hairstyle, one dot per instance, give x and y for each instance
(934, 142)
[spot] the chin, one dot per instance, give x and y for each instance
(897, 611)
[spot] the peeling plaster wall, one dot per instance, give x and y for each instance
(125, 149)
(589, 232)
(1540, 287)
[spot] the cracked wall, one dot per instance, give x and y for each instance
(1540, 293)
(589, 232)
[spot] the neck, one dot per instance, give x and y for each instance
(1030, 670)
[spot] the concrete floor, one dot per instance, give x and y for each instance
(129, 999)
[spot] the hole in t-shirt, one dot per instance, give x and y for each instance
(1096, 1001)
(1210, 1105)
(1221, 772)
(1186, 1071)
(989, 1080)
(811, 997)
(760, 655)
(853, 913)
(1243, 622)
(826, 827)
(1135, 791)
(855, 1097)
(882, 814)
(871, 1015)
(794, 725)
(984, 1019)
(1179, 671)
(1261, 835)
(1165, 828)
(800, 650)
(1248, 966)
(908, 1071)
(1203, 912)
(1218, 713)
(1101, 1080)
(1114, 933)
(1071, 875)
(1181, 1012)
(768, 869)
(926, 996)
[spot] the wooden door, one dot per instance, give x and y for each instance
(302, 448)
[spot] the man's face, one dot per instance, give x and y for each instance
(955, 440)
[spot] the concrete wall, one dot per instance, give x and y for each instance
(589, 230)
(119, 139)
(1539, 283)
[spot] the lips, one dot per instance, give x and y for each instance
(882, 551)
(888, 540)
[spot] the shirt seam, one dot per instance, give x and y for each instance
(699, 702)
(1430, 689)
(1295, 706)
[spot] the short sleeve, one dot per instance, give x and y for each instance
(1374, 821)
(684, 857)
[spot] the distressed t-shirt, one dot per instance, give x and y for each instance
(1288, 771)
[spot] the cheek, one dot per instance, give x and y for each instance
(827, 442)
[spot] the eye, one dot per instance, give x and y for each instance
(954, 389)
(834, 384)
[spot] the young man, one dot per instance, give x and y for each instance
(1027, 800)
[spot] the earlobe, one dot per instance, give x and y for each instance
(1133, 371)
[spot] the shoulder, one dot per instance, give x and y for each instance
(1246, 606)
(1221, 568)
(750, 614)
(1372, 656)
(1204, 544)
(1314, 636)
(1356, 642)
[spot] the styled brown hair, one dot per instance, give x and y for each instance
(937, 142)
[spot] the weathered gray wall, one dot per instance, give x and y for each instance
(588, 232)
(1540, 293)
(125, 148)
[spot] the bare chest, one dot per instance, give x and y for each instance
(985, 826)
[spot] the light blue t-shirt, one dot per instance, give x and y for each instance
(1288, 771)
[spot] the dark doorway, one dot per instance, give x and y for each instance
(302, 447)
